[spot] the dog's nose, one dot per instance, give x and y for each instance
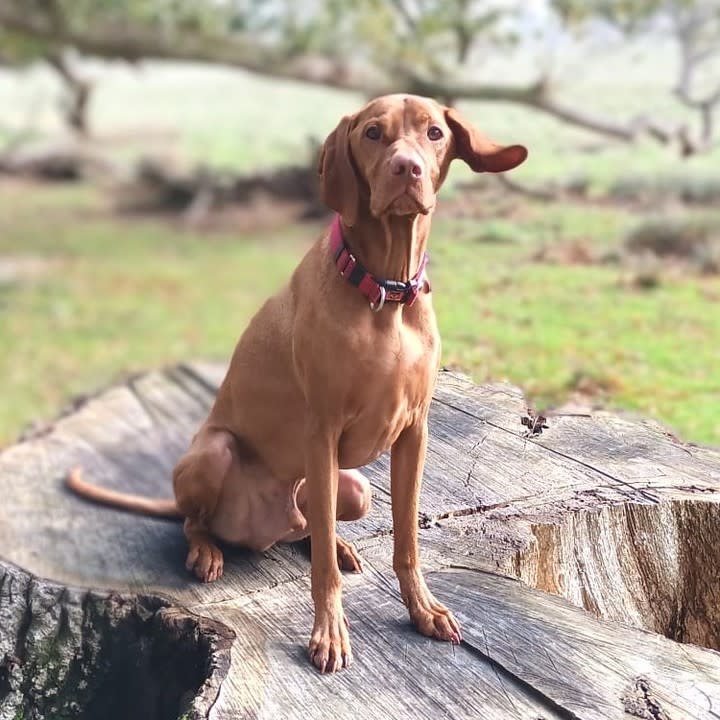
(409, 164)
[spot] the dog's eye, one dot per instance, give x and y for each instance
(373, 132)
(434, 132)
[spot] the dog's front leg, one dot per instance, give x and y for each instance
(407, 461)
(329, 646)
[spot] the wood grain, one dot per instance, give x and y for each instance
(605, 514)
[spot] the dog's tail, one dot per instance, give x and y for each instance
(123, 501)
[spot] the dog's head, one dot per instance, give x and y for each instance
(392, 156)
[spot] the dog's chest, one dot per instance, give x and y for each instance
(391, 387)
(398, 358)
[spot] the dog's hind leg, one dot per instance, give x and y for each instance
(204, 557)
(353, 502)
(197, 480)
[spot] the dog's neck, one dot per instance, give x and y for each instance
(390, 247)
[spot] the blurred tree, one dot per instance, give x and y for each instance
(21, 49)
(428, 47)
(694, 26)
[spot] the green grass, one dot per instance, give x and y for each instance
(119, 296)
(554, 330)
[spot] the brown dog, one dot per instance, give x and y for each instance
(334, 370)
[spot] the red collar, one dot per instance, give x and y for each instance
(376, 290)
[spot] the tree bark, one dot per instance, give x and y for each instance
(65, 651)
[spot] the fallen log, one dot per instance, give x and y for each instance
(157, 188)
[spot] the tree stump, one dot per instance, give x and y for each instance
(583, 563)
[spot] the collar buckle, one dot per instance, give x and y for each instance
(378, 306)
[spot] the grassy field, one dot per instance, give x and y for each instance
(86, 296)
(94, 298)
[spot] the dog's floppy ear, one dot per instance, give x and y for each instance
(338, 180)
(477, 150)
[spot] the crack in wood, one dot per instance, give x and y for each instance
(25, 623)
(147, 407)
(649, 497)
(547, 702)
(189, 382)
(639, 702)
(192, 373)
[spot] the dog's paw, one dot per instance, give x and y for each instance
(348, 558)
(329, 647)
(206, 561)
(429, 616)
(436, 621)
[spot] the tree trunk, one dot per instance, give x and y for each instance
(69, 653)
(75, 105)
(580, 556)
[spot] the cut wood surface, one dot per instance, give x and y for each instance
(583, 563)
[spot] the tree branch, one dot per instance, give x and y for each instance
(538, 96)
(79, 92)
(405, 14)
(522, 189)
(135, 42)
(688, 25)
